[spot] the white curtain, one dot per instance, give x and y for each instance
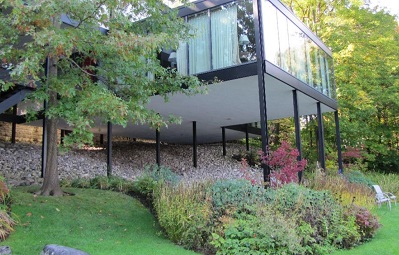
(225, 51)
(199, 46)
(182, 59)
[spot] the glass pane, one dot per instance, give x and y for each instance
(284, 42)
(224, 37)
(270, 32)
(246, 27)
(199, 46)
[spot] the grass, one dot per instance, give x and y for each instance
(385, 241)
(95, 221)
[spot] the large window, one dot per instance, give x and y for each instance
(225, 37)
(289, 48)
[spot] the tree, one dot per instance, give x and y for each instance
(93, 74)
(365, 43)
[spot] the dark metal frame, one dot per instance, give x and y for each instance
(158, 147)
(320, 128)
(297, 129)
(338, 141)
(109, 149)
(195, 163)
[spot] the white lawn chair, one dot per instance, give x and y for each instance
(383, 197)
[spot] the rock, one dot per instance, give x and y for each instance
(54, 249)
(5, 250)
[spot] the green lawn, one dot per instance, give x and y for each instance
(386, 241)
(98, 222)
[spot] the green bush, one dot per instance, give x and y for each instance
(320, 211)
(234, 194)
(184, 212)
(367, 223)
(266, 232)
(357, 176)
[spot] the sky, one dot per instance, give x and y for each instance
(391, 5)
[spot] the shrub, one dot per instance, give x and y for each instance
(345, 192)
(234, 194)
(266, 232)
(184, 212)
(366, 222)
(6, 221)
(358, 177)
(284, 164)
(317, 210)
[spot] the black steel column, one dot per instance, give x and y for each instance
(338, 140)
(158, 147)
(101, 139)
(195, 143)
(224, 140)
(246, 137)
(257, 6)
(109, 149)
(322, 156)
(14, 124)
(297, 130)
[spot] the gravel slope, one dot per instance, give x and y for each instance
(20, 163)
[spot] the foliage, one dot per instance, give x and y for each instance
(184, 213)
(345, 192)
(6, 221)
(284, 164)
(319, 211)
(94, 75)
(366, 222)
(388, 182)
(358, 177)
(251, 157)
(266, 232)
(366, 48)
(152, 176)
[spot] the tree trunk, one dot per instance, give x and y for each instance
(51, 183)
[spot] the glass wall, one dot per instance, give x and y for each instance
(225, 36)
(289, 48)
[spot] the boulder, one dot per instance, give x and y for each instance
(54, 249)
(5, 250)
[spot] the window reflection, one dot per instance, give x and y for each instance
(225, 36)
(287, 47)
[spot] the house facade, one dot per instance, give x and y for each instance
(268, 65)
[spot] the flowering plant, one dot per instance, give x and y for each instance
(284, 164)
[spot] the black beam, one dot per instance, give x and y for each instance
(158, 147)
(14, 124)
(322, 156)
(257, 6)
(245, 128)
(17, 97)
(224, 140)
(18, 119)
(297, 130)
(195, 143)
(338, 140)
(109, 149)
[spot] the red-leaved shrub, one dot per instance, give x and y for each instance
(284, 164)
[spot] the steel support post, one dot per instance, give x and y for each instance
(322, 156)
(195, 143)
(246, 138)
(224, 140)
(109, 149)
(338, 141)
(14, 124)
(297, 130)
(257, 6)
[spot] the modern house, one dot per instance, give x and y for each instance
(269, 64)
